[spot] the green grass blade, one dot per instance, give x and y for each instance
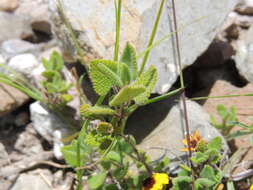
(118, 15)
(31, 93)
(162, 97)
(152, 36)
(225, 96)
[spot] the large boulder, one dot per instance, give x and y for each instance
(94, 22)
(13, 27)
(244, 54)
(159, 128)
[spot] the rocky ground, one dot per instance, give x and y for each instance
(217, 59)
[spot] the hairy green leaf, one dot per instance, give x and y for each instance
(96, 181)
(126, 94)
(215, 143)
(202, 183)
(129, 58)
(182, 182)
(103, 74)
(124, 73)
(70, 153)
(147, 79)
(96, 111)
(207, 172)
(114, 156)
(55, 63)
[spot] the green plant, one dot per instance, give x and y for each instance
(55, 86)
(246, 130)
(228, 119)
(205, 172)
(102, 151)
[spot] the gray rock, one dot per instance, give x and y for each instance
(37, 12)
(95, 23)
(244, 54)
(13, 27)
(30, 181)
(10, 48)
(4, 157)
(8, 5)
(160, 130)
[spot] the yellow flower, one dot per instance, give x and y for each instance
(156, 182)
(251, 187)
(195, 139)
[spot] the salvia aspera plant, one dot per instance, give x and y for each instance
(102, 155)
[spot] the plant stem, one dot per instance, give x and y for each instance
(139, 156)
(152, 36)
(117, 14)
(79, 173)
(183, 97)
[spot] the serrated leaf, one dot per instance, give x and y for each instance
(207, 172)
(222, 110)
(182, 182)
(47, 64)
(129, 57)
(49, 74)
(124, 73)
(126, 94)
(96, 181)
(201, 183)
(114, 156)
(56, 61)
(215, 143)
(70, 153)
(96, 111)
(103, 74)
(120, 173)
(199, 157)
(125, 146)
(147, 79)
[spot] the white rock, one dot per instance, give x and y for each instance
(10, 48)
(24, 63)
(50, 126)
(95, 23)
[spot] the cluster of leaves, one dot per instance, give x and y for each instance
(127, 90)
(205, 173)
(228, 119)
(55, 85)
